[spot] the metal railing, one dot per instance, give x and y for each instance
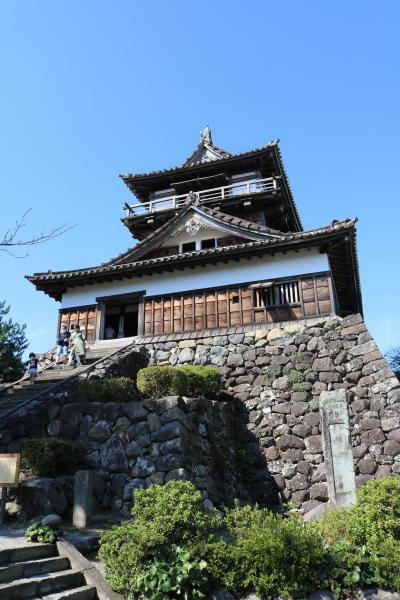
(242, 188)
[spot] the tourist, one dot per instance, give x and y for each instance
(71, 360)
(32, 367)
(62, 345)
(78, 347)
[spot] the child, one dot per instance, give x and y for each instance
(32, 367)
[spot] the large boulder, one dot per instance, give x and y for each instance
(42, 496)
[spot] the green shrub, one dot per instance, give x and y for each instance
(188, 380)
(387, 562)
(164, 516)
(119, 389)
(351, 568)
(49, 457)
(334, 525)
(41, 533)
(157, 382)
(272, 555)
(202, 381)
(176, 575)
(376, 514)
(365, 540)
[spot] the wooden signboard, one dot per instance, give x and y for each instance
(9, 475)
(9, 470)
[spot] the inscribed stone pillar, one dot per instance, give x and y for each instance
(83, 498)
(337, 448)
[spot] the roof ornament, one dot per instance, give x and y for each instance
(192, 198)
(192, 227)
(205, 136)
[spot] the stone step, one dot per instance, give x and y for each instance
(28, 389)
(23, 553)
(37, 586)
(27, 568)
(86, 592)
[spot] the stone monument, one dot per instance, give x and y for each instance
(337, 448)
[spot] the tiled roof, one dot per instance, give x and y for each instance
(226, 155)
(112, 268)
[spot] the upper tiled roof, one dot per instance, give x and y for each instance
(187, 163)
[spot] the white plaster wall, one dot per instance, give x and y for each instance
(284, 265)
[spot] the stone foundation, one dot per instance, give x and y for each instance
(262, 442)
(277, 375)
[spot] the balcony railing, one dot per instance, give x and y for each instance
(242, 188)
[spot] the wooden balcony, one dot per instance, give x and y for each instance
(210, 196)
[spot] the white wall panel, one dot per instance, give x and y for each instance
(256, 269)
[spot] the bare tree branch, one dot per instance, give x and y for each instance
(11, 236)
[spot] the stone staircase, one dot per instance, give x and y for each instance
(38, 571)
(21, 392)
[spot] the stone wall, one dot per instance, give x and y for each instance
(262, 442)
(276, 376)
(39, 417)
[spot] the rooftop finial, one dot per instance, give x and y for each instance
(205, 135)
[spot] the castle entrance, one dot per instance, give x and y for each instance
(120, 317)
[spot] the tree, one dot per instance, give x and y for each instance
(393, 358)
(11, 238)
(13, 342)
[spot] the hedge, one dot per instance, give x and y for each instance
(188, 380)
(118, 389)
(51, 457)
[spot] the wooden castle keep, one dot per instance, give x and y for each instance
(220, 244)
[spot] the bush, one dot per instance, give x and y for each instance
(119, 389)
(49, 457)
(202, 381)
(387, 562)
(334, 525)
(178, 574)
(157, 382)
(376, 514)
(188, 380)
(269, 554)
(351, 568)
(366, 539)
(164, 516)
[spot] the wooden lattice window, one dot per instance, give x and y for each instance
(278, 294)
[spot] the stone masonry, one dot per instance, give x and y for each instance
(265, 433)
(276, 376)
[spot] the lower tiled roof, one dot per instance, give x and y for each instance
(111, 268)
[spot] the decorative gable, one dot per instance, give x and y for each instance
(206, 151)
(189, 225)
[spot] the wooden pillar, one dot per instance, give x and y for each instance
(3, 505)
(100, 318)
(140, 327)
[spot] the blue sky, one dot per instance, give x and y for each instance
(93, 89)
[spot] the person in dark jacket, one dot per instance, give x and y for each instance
(62, 345)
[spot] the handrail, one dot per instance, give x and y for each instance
(240, 188)
(51, 388)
